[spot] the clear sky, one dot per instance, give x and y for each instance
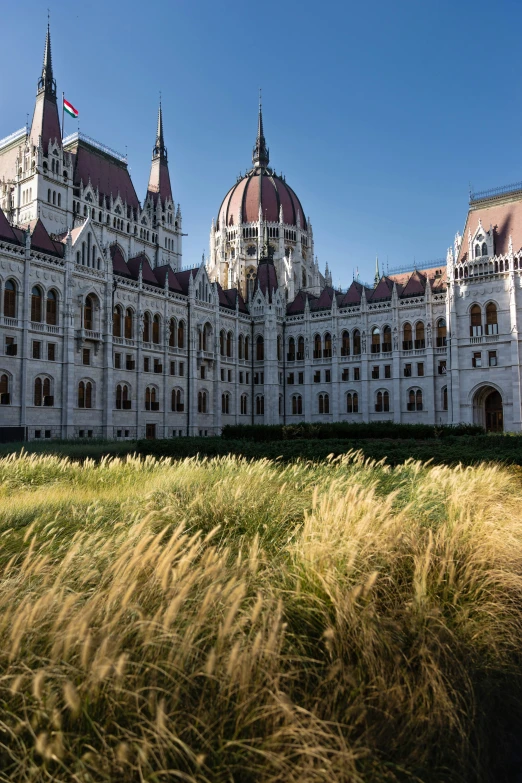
(381, 114)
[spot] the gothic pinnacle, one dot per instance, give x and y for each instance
(260, 156)
(159, 148)
(46, 83)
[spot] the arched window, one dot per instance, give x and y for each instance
(181, 334)
(36, 304)
(345, 343)
(128, 324)
(81, 394)
(229, 344)
(244, 405)
(411, 400)
(300, 349)
(5, 397)
(51, 310)
(156, 329)
(356, 342)
(38, 391)
(177, 400)
(222, 343)
(291, 349)
(151, 399)
(225, 403)
(88, 313)
(297, 405)
(419, 335)
(352, 402)
(477, 251)
(444, 398)
(202, 402)
(324, 403)
(441, 332)
(418, 399)
(260, 405)
(491, 318)
(279, 351)
(317, 346)
(327, 352)
(386, 339)
(376, 340)
(475, 325)
(386, 401)
(10, 299)
(116, 321)
(85, 394)
(118, 396)
(146, 328)
(172, 332)
(240, 346)
(260, 348)
(247, 347)
(42, 392)
(378, 402)
(484, 249)
(407, 337)
(414, 400)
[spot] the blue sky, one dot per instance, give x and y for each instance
(380, 114)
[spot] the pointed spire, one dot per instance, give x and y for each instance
(159, 188)
(377, 273)
(45, 126)
(46, 83)
(260, 156)
(159, 149)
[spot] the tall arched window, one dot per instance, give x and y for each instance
(146, 328)
(291, 349)
(411, 400)
(376, 340)
(378, 402)
(116, 321)
(128, 324)
(300, 349)
(240, 346)
(484, 249)
(477, 251)
(151, 399)
(345, 343)
(414, 400)
(247, 348)
(419, 335)
(156, 324)
(386, 401)
(260, 348)
(324, 403)
(5, 397)
(202, 402)
(222, 342)
(407, 337)
(225, 403)
(51, 310)
(177, 400)
(85, 394)
(317, 346)
(123, 397)
(244, 405)
(38, 391)
(172, 332)
(260, 405)
(279, 351)
(444, 398)
(81, 394)
(181, 334)
(386, 339)
(491, 318)
(475, 325)
(327, 352)
(229, 344)
(88, 313)
(418, 399)
(36, 304)
(356, 342)
(352, 402)
(441, 332)
(10, 299)
(297, 404)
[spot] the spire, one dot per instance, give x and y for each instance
(260, 157)
(159, 149)
(159, 179)
(377, 273)
(46, 123)
(46, 83)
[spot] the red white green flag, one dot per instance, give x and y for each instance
(69, 108)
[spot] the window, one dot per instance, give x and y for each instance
(11, 348)
(181, 369)
(260, 405)
(130, 363)
(386, 401)
(51, 312)
(420, 369)
(222, 343)
(345, 343)
(51, 352)
(352, 402)
(172, 332)
(419, 335)
(387, 370)
(407, 339)
(300, 349)
(37, 349)
(117, 361)
(324, 403)
(36, 305)
(386, 339)
(42, 392)
(10, 299)
(317, 376)
(441, 332)
(484, 249)
(327, 352)
(476, 359)
(492, 358)
(442, 367)
(260, 348)
(181, 334)
(375, 372)
(345, 376)
(222, 374)
(317, 347)
(158, 368)
(357, 373)
(146, 328)
(300, 377)
(173, 368)
(88, 313)
(491, 319)
(376, 340)
(475, 327)
(5, 397)
(378, 402)
(357, 342)
(202, 372)
(290, 378)
(407, 370)
(444, 398)
(123, 397)
(116, 322)
(156, 328)
(291, 350)
(328, 376)
(244, 405)
(151, 399)
(86, 356)
(177, 400)
(414, 400)
(225, 403)
(202, 402)
(229, 344)
(297, 405)
(85, 394)
(146, 364)
(128, 324)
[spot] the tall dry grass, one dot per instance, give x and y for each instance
(222, 621)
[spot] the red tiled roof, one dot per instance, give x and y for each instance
(267, 278)
(506, 219)
(183, 278)
(147, 275)
(353, 295)
(159, 181)
(324, 302)
(298, 304)
(109, 175)
(162, 272)
(415, 286)
(40, 240)
(383, 290)
(246, 195)
(118, 262)
(6, 231)
(45, 122)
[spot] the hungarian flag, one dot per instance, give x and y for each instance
(69, 108)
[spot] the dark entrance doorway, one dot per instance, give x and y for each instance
(150, 431)
(494, 412)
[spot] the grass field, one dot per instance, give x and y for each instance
(253, 622)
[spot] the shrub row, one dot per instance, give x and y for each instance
(342, 430)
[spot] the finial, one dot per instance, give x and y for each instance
(377, 273)
(46, 83)
(160, 151)
(260, 156)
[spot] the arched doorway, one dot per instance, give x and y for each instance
(488, 409)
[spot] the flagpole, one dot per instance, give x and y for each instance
(63, 115)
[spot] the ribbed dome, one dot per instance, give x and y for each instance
(260, 187)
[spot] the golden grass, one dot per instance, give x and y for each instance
(221, 620)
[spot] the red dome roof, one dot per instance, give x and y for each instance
(265, 187)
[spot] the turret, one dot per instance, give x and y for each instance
(159, 179)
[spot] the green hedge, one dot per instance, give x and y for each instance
(342, 430)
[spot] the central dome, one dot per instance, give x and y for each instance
(261, 191)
